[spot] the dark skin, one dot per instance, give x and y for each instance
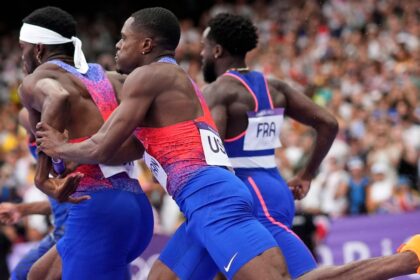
(54, 96)
(11, 213)
(152, 96)
(48, 267)
(229, 101)
(155, 95)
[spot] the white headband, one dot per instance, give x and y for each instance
(39, 35)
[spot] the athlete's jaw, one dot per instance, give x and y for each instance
(209, 71)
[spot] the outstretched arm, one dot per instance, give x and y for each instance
(370, 269)
(302, 109)
(11, 213)
(102, 146)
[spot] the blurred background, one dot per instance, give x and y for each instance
(359, 59)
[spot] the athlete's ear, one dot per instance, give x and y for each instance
(39, 52)
(217, 51)
(146, 45)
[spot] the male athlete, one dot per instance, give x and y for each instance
(113, 222)
(186, 255)
(183, 150)
(249, 110)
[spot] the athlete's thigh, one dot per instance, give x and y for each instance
(22, 268)
(48, 267)
(183, 257)
(272, 198)
(298, 258)
(222, 220)
(275, 209)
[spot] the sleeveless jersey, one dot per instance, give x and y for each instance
(100, 176)
(177, 152)
(254, 148)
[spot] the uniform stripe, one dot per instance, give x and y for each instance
(264, 207)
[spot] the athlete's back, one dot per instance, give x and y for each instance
(82, 115)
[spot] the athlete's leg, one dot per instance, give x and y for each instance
(161, 271)
(403, 263)
(220, 216)
(104, 234)
(268, 189)
(22, 269)
(183, 257)
(48, 267)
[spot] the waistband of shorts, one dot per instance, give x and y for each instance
(253, 162)
(119, 181)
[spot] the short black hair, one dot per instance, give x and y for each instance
(57, 20)
(237, 34)
(53, 18)
(160, 22)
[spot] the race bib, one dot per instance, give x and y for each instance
(263, 131)
(214, 150)
(127, 168)
(156, 169)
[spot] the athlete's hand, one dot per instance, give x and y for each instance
(9, 213)
(66, 187)
(299, 186)
(49, 140)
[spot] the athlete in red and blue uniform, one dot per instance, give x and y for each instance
(116, 224)
(183, 150)
(113, 222)
(220, 232)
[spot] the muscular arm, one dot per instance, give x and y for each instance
(23, 118)
(218, 103)
(49, 98)
(138, 93)
(11, 213)
(34, 208)
(302, 109)
(130, 150)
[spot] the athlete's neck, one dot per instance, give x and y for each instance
(62, 57)
(157, 56)
(231, 63)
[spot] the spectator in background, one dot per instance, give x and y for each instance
(333, 196)
(361, 60)
(404, 198)
(380, 190)
(356, 187)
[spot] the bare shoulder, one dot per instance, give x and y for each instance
(44, 71)
(224, 88)
(278, 84)
(157, 76)
(114, 76)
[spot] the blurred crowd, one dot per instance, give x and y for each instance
(359, 59)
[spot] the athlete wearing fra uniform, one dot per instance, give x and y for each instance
(106, 232)
(248, 111)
